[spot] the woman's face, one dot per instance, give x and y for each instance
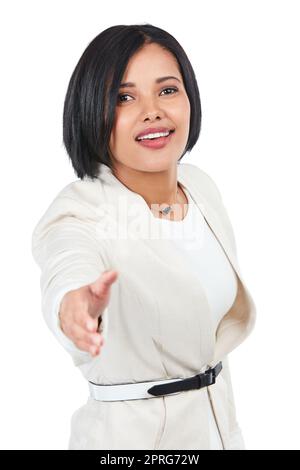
(150, 104)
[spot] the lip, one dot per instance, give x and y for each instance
(156, 144)
(152, 130)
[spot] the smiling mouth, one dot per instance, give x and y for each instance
(137, 139)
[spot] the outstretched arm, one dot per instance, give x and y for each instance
(66, 250)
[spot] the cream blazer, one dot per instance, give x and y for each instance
(158, 323)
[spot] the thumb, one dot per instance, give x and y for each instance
(101, 285)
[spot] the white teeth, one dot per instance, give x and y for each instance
(153, 136)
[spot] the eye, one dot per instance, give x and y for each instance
(170, 88)
(121, 96)
(126, 94)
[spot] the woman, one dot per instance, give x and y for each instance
(140, 278)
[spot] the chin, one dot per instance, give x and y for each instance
(155, 164)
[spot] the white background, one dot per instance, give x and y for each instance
(246, 58)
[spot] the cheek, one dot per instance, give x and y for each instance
(116, 134)
(123, 128)
(186, 108)
(112, 139)
(181, 111)
(186, 111)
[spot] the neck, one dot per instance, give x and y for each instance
(155, 187)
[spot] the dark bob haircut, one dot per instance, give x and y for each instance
(89, 106)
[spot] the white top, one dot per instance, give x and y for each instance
(198, 244)
(201, 249)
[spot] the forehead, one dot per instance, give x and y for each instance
(150, 63)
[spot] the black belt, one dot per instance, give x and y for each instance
(197, 381)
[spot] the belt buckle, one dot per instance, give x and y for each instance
(211, 374)
(206, 378)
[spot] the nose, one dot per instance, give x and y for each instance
(151, 108)
(152, 112)
(152, 116)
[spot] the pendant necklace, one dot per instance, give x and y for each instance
(167, 209)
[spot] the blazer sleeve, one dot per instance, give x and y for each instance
(65, 248)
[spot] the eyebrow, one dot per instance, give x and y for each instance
(158, 80)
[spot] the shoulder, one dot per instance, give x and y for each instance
(76, 203)
(79, 198)
(84, 194)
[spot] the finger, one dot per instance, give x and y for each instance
(93, 350)
(86, 321)
(81, 334)
(103, 283)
